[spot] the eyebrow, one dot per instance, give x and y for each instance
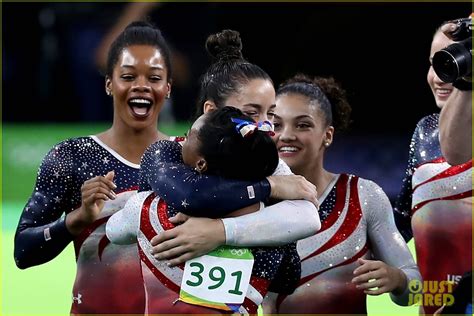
(299, 117)
(153, 67)
(258, 106)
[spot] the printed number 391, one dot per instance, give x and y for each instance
(216, 274)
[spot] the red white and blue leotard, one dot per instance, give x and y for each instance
(357, 222)
(275, 268)
(435, 208)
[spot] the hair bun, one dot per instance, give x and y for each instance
(139, 24)
(225, 45)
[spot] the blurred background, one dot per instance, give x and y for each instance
(52, 87)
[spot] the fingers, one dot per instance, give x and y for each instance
(162, 250)
(373, 284)
(365, 266)
(99, 188)
(179, 218)
(448, 28)
(107, 180)
(181, 259)
(171, 254)
(375, 292)
(162, 237)
(363, 278)
(97, 191)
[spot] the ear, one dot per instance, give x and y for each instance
(201, 165)
(209, 106)
(108, 85)
(329, 135)
(169, 87)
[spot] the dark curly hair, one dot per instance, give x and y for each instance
(231, 155)
(229, 71)
(325, 92)
(139, 33)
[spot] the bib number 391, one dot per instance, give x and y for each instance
(218, 278)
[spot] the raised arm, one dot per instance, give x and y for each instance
(395, 267)
(194, 194)
(41, 232)
(455, 122)
(278, 224)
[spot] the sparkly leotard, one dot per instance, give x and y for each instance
(435, 208)
(42, 233)
(108, 279)
(357, 222)
(276, 269)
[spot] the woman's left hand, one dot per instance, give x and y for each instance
(376, 277)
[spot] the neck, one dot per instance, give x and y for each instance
(130, 143)
(318, 176)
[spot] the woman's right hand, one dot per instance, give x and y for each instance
(195, 237)
(94, 192)
(293, 187)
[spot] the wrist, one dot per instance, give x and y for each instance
(271, 182)
(220, 232)
(75, 221)
(402, 282)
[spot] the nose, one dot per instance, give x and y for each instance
(262, 117)
(436, 79)
(287, 134)
(141, 85)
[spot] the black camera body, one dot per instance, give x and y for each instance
(455, 61)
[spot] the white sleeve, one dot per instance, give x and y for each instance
(122, 227)
(387, 243)
(275, 225)
(282, 169)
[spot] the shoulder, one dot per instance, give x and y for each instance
(162, 151)
(169, 145)
(373, 201)
(66, 147)
(282, 169)
(428, 123)
(369, 189)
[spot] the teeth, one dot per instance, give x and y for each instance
(444, 91)
(140, 101)
(288, 149)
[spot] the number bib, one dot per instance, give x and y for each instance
(218, 279)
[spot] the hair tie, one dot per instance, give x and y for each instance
(246, 128)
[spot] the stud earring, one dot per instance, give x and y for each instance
(326, 144)
(109, 92)
(168, 95)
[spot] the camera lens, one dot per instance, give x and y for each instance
(453, 62)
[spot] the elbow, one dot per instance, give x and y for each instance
(454, 158)
(313, 220)
(20, 264)
(307, 219)
(20, 260)
(317, 222)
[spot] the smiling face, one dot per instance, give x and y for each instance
(139, 86)
(256, 99)
(441, 90)
(300, 133)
